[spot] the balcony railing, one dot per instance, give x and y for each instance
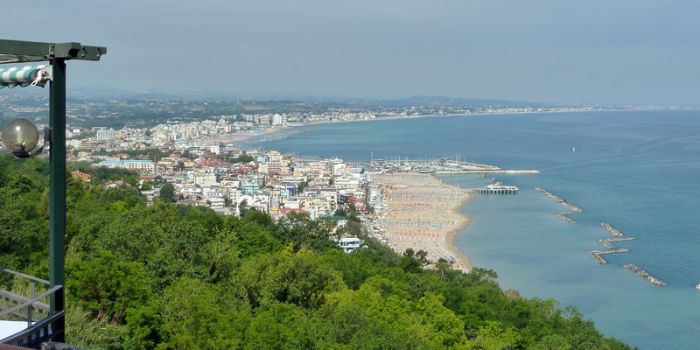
(41, 324)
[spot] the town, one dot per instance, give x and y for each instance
(200, 164)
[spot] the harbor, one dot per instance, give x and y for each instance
(441, 167)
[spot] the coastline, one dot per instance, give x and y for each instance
(242, 136)
(536, 278)
(451, 237)
(237, 138)
(422, 212)
(474, 114)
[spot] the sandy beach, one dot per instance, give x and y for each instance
(421, 212)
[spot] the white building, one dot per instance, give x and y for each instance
(141, 165)
(279, 119)
(349, 244)
(205, 180)
(105, 134)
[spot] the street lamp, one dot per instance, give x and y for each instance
(21, 137)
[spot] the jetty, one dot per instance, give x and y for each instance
(498, 188)
(646, 275)
(608, 242)
(613, 231)
(566, 218)
(618, 236)
(560, 200)
(598, 254)
(605, 243)
(620, 239)
(563, 215)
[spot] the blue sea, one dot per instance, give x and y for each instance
(638, 171)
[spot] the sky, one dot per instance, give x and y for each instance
(558, 51)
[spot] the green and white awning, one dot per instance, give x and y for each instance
(25, 76)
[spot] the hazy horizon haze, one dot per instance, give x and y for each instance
(622, 52)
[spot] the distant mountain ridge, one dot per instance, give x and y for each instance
(422, 100)
(418, 100)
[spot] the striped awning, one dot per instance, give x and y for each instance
(24, 76)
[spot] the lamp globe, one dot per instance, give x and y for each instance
(20, 136)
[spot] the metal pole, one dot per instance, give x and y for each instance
(57, 192)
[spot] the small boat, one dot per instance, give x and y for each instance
(698, 286)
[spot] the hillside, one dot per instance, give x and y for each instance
(172, 277)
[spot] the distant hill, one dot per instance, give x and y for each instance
(458, 101)
(418, 100)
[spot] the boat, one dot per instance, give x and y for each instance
(698, 286)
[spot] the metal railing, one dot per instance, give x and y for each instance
(42, 324)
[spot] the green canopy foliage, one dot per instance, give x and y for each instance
(171, 277)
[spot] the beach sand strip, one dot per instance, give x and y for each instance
(422, 212)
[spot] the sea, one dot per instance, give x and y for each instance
(636, 170)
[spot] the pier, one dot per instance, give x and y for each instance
(498, 188)
(646, 275)
(497, 171)
(560, 200)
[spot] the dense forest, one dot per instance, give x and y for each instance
(164, 276)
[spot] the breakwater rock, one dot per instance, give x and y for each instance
(646, 275)
(618, 236)
(560, 200)
(598, 254)
(566, 218)
(613, 231)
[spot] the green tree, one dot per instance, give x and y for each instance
(283, 326)
(83, 330)
(108, 286)
(413, 261)
(147, 186)
(167, 192)
(298, 278)
(170, 276)
(196, 316)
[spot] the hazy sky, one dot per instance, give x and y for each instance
(609, 51)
